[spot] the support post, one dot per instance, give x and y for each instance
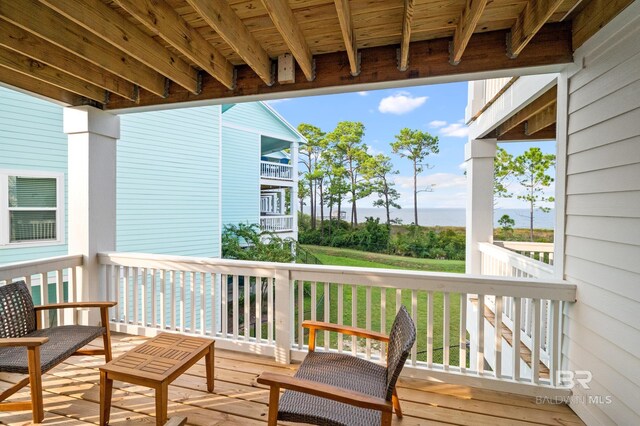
(294, 188)
(479, 157)
(283, 317)
(92, 136)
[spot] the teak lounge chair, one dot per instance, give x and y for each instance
(27, 348)
(339, 389)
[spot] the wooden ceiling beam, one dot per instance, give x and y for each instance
(466, 26)
(543, 101)
(348, 34)
(21, 41)
(429, 63)
(163, 20)
(407, 19)
(222, 18)
(114, 28)
(595, 15)
(45, 23)
(38, 87)
(518, 133)
(535, 14)
(541, 120)
(287, 25)
(23, 64)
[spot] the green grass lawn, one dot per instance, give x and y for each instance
(345, 257)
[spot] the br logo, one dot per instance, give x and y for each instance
(573, 378)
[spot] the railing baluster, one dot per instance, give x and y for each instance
(383, 320)
(446, 322)
(213, 277)
(313, 302)
(498, 337)
(192, 308)
(326, 313)
(554, 353)
(125, 295)
(270, 322)
(203, 304)
(247, 307)
(163, 289)
(368, 319)
(462, 356)
(340, 315)
(172, 278)
(535, 350)
(224, 294)
(134, 287)
(259, 309)
(300, 314)
(354, 317)
(145, 295)
(235, 314)
(59, 296)
(517, 316)
(480, 320)
(430, 329)
(153, 273)
(182, 282)
(414, 315)
(398, 299)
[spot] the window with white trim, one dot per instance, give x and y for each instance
(31, 206)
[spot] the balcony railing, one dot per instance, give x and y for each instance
(279, 171)
(259, 307)
(276, 223)
(538, 251)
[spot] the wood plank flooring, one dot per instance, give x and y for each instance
(71, 396)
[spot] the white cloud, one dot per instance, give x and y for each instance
(363, 93)
(456, 130)
(373, 151)
(400, 103)
(437, 123)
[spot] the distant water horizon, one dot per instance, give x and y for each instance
(456, 217)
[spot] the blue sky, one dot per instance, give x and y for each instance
(438, 109)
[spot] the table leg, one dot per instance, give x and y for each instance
(162, 394)
(209, 362)
(106, 389)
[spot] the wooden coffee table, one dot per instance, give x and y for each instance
(155, 364)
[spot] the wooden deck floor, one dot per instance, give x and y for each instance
(72, 397)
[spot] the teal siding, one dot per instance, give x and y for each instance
(240, 176)
(168, 182)
(31, 138)
(255, 116)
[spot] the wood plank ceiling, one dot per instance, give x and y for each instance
(118, 54)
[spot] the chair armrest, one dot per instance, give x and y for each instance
(345, 329)
(76, 305)
(23, 341)
(334, 393)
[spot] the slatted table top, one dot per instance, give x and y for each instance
(159, 358)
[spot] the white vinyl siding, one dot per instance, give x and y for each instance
(602, 231)
(168, 182)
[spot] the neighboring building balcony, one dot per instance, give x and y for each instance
(482, 93)
(275, 223)
(276, 171)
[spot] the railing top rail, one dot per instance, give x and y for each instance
(275, 164)
(525, 246)
(526, 264)
(31, 267)
(390, 278)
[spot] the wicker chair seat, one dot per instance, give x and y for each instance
(340, 370)
(63, 341)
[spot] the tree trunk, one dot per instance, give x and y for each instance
(321, 205)
(415, 193)
(312, 204)
(386, 205)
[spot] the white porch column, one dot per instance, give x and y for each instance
(92, 136)
(479, 156)
(294, 188)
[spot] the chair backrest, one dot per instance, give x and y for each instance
(17, 316)
(401, 340)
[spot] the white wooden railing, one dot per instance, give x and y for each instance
(271, 170)
(276, 223)
(259, 307)
(46, 275)
(538, 251)
(497, 260)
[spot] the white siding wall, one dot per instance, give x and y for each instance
(602, 234)
(168, 182)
